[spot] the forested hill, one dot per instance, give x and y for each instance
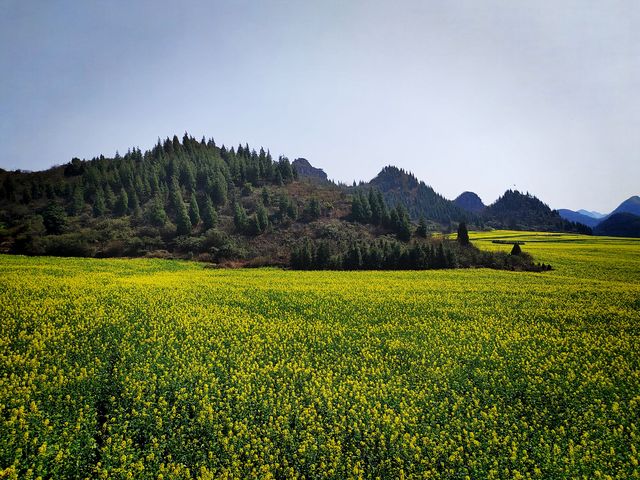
(622, 224)
(470, 202)
(401, 187)
(514, 210)
(192, 198)
(519, 211)
(180, 197)
(630, 205)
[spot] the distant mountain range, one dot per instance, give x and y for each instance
(187, 197)
(591, 214)
(578, 217)
(513, 210)
(614, 223)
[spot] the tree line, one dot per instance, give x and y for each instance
(380, 254)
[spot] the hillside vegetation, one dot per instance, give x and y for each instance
(619, 225)
(181, 198)
(238, 206)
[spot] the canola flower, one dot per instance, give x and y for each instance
(160, 369)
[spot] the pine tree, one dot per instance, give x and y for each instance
(209, 215)
(187, 176)
(421, 231)
(366, 208)
(266, 199)
(109, 197)
(54, 219)
(394, 220)
(285, 169)
(354, 257)
(262, 219)
(323, 255)
(194, 211)
(240, 219)
(307, 254)
(279, 180)
(302, 256)
(356, 208)
(313, 208)
(133, 201)
(77, 202)
(403, 226)
(98, 205)
(122, 203)
(219, 190)
(183, 222)
(463, 234)
(156, 214)
(154, 184)
(376, 207)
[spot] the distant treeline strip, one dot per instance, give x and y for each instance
(390, 254)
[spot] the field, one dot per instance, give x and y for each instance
(165, 369)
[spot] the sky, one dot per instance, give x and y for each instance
(480, 95)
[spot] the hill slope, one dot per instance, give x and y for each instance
(192, 198)
(187, 198)
(578, 217)
(630, 205)
(619, 225)
(470, 202)
(592, 214)
(180, 198)
(518, 211)
(401, 187)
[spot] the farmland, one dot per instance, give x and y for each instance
(164, 369)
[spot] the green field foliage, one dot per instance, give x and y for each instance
(164, 369)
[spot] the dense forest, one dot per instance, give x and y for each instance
(184, 197)
(621, 224)
(517, 211)
(191, 198)
(401, 187)
(513, 210)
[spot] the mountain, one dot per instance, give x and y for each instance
(518, 211)
(616, 226)
(182, 198)
(401, 187)
(470, 202)
(622, 224)
(513, 210)
(229, 206)
(192, 198)
(306, 170)
(578, 217)
(630, 205)
(592, 214)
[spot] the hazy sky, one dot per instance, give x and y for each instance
(469, 95)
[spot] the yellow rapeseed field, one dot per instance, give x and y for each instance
(165, 369)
